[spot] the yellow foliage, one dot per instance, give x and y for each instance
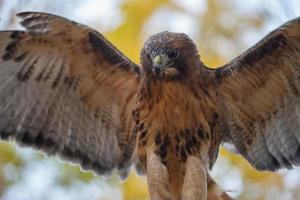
(7, 154)
(135, 188)
(127, 36)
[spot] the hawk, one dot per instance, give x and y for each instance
(67, 91)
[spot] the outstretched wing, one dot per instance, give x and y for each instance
(259, 100)
(66, 90)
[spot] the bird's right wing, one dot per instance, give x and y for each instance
(66, 90)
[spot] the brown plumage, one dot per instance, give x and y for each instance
(66, 90)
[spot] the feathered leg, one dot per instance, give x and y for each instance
(195, 180)
(158, 178)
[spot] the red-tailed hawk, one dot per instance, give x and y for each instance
(66, 90)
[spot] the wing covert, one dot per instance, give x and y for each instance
(66, 90)
(259, 102)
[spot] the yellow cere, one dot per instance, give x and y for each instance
(157, 60)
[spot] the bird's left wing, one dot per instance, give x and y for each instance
(259, 100)
(66, 90)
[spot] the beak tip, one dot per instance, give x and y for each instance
(157, 70)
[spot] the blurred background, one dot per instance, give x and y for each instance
(222, 29)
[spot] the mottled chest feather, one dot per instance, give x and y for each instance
(173, 120)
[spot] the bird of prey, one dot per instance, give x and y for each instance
(67, 91)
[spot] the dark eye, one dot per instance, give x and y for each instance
(150, 54)
(174, 54)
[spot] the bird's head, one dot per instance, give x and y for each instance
(169, 56)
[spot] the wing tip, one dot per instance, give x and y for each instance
(25, 14)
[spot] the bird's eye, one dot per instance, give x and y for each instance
(174, 54)
(150, 54)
